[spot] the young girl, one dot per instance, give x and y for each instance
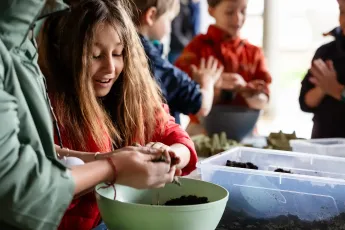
(36, 188)
(103, 94)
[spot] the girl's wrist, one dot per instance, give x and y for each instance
(63, 152)
(113, 177)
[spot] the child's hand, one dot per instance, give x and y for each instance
(231, 81)
(175, 160)
(325, 77)
(208, 73)
(254, 88)
(158, 145)
(168, 153)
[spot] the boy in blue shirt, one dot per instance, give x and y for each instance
(183, 95)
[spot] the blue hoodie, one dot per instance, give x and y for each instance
(182, 94)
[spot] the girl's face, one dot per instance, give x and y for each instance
(106, 59)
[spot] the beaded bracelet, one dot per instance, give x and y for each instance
(111, 184)
(114, 170)
(96, 154)
(64, 156)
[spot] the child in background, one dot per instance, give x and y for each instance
(184, 27)
(323, 88)
(245, 79)
(153, 20)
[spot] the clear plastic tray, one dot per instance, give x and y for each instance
(314, 191)
(328, 146)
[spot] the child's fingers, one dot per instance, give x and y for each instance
(178, 172)
(170, 176)
(166, 154)
(321, 63)
(314, 81)
(137, 145)
(257, 84)
(175, 160)
(330, 65)
(320, 66)
(150, 145)
(258, 81)
(316, 73)
(219, 72)
(202, 63)
(232, 79)
(210, 62)
(166, 178)
(194, 69)
(218, 82)
(227, 76)
(214, 66)
(158, 145)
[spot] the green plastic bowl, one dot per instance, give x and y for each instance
(132, 209)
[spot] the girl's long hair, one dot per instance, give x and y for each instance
(129, 112)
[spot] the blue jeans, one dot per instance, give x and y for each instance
(101, 227)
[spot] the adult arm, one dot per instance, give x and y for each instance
(34, 192)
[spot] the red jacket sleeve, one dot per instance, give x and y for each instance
(174, 134)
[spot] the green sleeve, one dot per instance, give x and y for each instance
(34, 191)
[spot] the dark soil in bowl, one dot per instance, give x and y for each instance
(247, 165)
(237, 220)
(283, 171)
(187, 200)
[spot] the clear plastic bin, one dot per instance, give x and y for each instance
(328, 146)
(315, 191)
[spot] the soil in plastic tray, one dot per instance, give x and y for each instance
(187, 200)
(283, 171)
(237, 220)
(235, 164)
(250, 165)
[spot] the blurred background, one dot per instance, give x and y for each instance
(289, 31)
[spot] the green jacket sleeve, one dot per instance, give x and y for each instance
(34, 191)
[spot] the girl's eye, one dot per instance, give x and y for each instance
(117, 55)
(96, 56)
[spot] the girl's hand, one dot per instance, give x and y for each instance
(175, 160)
(158, 145)
(137, 167)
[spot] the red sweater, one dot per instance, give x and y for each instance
(83, 213)
(236, 55)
